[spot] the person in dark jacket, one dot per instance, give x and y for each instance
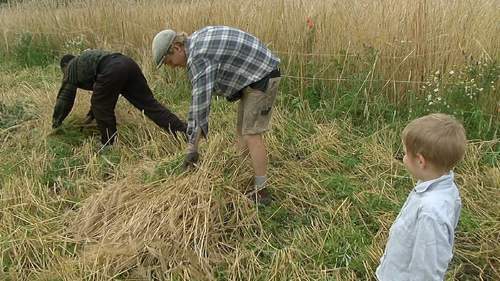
(108, 75)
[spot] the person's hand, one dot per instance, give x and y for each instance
(56, 124)
(179, 131)
(61, 110)
(180, 135)
(191, 157)
(57, 117)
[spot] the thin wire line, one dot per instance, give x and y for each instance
(352, 80)
(353, 55)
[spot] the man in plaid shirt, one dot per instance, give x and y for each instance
(231, 63)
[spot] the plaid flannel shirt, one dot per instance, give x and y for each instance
(222, 60)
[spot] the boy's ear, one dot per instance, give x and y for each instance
(421, 160)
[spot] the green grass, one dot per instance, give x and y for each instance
(34, 50)
(12, 115)
(336, 185)
(340, 187)
(163, 170)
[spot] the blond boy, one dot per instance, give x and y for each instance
(421, 239)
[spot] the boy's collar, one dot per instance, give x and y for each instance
(423, 186)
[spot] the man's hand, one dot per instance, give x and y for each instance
(180, 134)
(57, 116)
(191, 157)
(179, 130)
(56, 123)
(61, 110)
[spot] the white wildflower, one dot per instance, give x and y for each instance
(436, 90)
(452, 72)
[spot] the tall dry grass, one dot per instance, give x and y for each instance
(409, 38)
(113, 225)
(129, 214)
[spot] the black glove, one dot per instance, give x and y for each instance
(182, 134)
(190, 159)
(179, 128)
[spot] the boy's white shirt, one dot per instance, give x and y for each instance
(421, 238)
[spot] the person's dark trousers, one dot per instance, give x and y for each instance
(120, 74)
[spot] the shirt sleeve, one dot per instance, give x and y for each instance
(432, 250)
(202, 74)
(64, 103)
(66, 95)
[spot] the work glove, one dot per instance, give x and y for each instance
(190, 159)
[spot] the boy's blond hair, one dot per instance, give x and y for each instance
(438, 137)
(181, 38)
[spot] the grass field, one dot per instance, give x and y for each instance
(355, 72)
